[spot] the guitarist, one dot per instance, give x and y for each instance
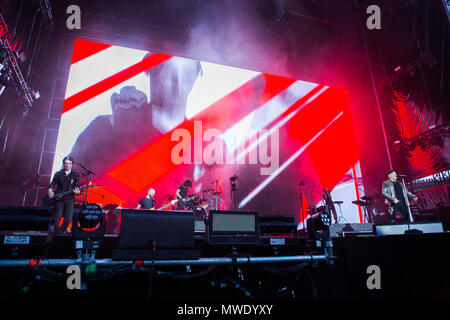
(392, 190)
(147, 202)
(64, 180)
(182, 193)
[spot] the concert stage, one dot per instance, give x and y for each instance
(208, 150)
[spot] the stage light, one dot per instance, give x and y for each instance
(89, 223)
(317, 226)
(36, 94)
(90, 216)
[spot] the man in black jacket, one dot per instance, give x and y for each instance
(64, 180)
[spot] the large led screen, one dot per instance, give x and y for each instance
(141, 119)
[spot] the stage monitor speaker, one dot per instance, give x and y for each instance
(400, 228)
(155, 234)
(350, 229)
(25, 218)
(233, 227)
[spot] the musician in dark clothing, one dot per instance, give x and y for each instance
(64, 180)
(182, 193)
(147, 202)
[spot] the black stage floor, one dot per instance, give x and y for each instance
(410, 266)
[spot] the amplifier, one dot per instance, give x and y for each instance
(25, 218)
(277, 230)
(233, 228)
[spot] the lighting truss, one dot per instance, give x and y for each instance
(446, 4)
(5, 43)
(433, 136)
(44, 6)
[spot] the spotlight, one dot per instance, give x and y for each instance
(317, 226)
(36, 94)
(89, 223)
(325, 219)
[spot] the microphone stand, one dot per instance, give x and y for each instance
(405, 195)
(233, 193)
(216, 197)
(89, 172)
(301, 204)
(410, 220)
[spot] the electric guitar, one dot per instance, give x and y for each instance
(175, 201)
(47, 201)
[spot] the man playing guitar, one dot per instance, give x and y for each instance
(182, 193)
(393, 191)
(64, 180)
(147, 202)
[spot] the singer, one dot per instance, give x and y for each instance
(394, 192)
(64, 180)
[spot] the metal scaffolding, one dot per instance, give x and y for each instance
(13, 263)
(12, 59)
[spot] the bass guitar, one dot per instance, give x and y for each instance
(47, 201)
(175, 201)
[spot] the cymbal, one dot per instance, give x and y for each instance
(360, 203)
(338, 202)
(215, 193)
(208, 190)
(366, 197)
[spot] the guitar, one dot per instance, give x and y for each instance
(47, 201)
(175, 201)
(329, 202)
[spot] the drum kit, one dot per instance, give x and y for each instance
(200, 203)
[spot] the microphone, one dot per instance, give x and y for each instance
(402, 175)
(87, 169)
